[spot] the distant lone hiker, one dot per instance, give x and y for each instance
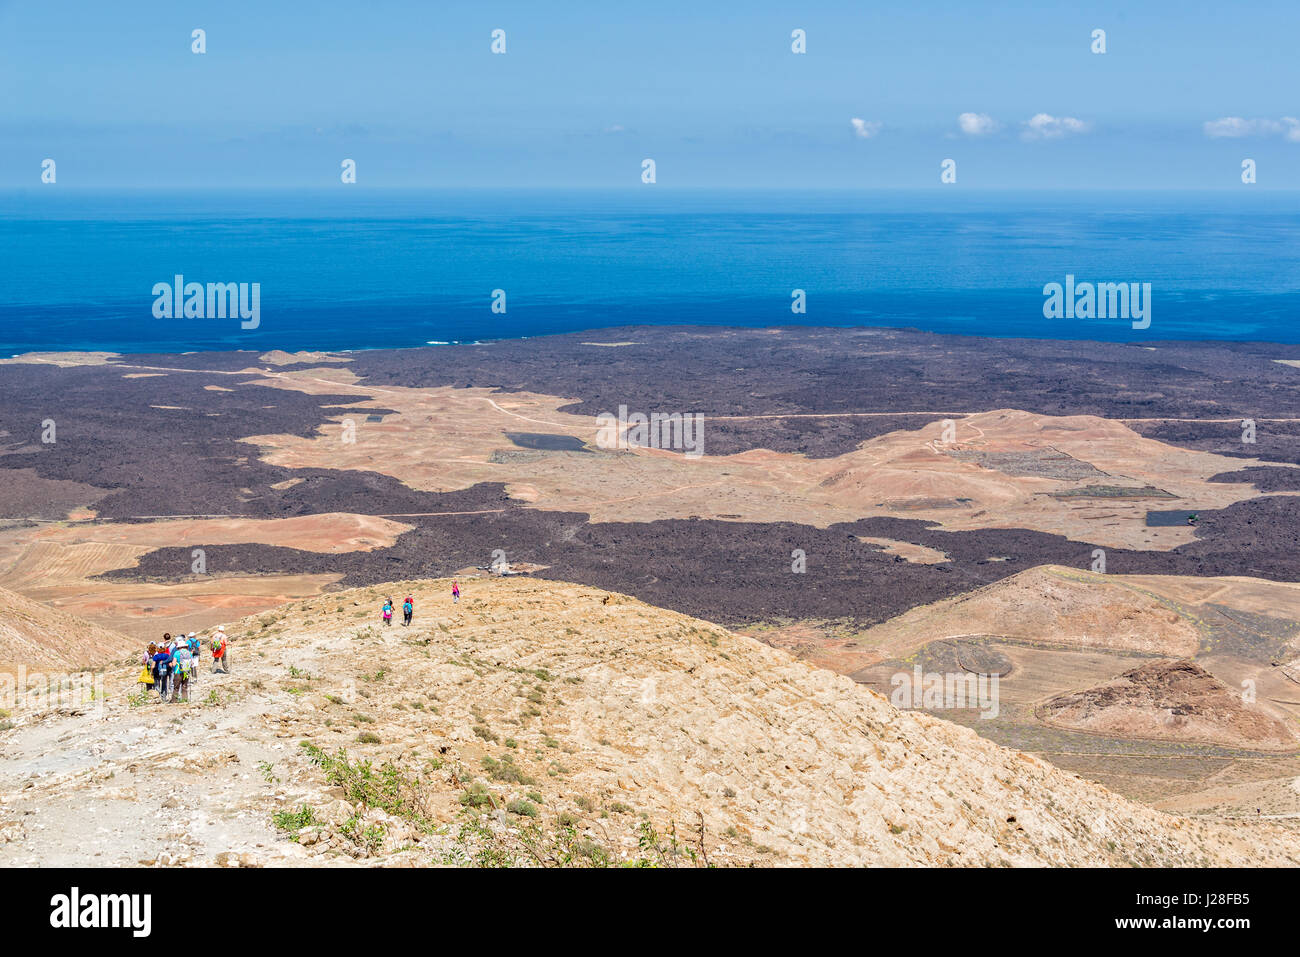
(408, 610)
(388, 611)
(455, 592)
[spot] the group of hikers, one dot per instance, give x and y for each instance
(408, 606)
(408, 610)
(172, 664)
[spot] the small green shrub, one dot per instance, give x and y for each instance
(477, 795)
(294, 821)
(521, 807)
(506, 770)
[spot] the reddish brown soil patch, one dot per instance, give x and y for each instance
(1170, 700)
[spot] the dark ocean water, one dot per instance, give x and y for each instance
(349, 269)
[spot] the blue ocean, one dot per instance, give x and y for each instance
(355, 269)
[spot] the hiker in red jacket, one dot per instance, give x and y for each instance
(455, 592)
(220, 651)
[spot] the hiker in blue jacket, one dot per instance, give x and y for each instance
(162, 667)
(196, 649)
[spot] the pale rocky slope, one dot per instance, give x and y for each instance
(615, 716)
(43, 638)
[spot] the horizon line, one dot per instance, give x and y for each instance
(640, 188)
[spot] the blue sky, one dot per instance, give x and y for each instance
(712, 92)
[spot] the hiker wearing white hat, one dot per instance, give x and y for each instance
(196, 647)
(182, 669)
(220, 650)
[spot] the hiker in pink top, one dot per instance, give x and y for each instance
(455, 592)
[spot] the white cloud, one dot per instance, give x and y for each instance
(865, 129)
(1044, 126)
(1235, 126)
(976, 124)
